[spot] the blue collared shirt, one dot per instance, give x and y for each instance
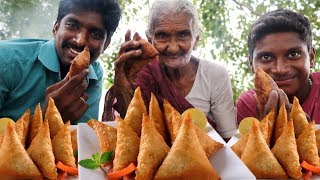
(27, 68)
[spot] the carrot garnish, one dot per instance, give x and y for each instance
(68, 169)
(310, 167)
(63, 175)
(122, 172)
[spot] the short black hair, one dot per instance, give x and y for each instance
(281, 20)
(109, 9)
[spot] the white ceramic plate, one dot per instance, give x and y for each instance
(225, 161)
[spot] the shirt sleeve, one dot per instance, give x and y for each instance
(222, 105)
(246, 106)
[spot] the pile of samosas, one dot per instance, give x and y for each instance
(275, 147)
(30, 148)
(161, 145)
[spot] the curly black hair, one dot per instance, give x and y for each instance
(281, 20)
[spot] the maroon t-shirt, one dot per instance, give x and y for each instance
(246, 105)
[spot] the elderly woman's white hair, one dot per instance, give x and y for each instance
(162, 8)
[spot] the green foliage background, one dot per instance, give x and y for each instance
(225, 28)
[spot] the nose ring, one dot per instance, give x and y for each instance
(168, 49)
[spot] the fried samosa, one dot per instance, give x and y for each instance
(155, 115)
(62, 146)
(263, 84)
(240, 146)
(74, 140)
(186, 159)
(300, 121)
(317, 139)
(281, 122)
(258, 157)
(79, 63)
(168, 114)
(14, 160)
(149, 53)
(307, 147)
(127, 147)
(135, 111)
(41, 153)
(106, 134)
(22, 127)
(54, 118)
(285, 150)
(153, 150)
(35, 123)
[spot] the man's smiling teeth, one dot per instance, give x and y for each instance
(74, 51)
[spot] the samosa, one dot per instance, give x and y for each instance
(280, 123)
(285, 150)
(14, 160)
(209, 145)
(258, 157)
(62, 146)
(106, 134)
(134, 112)
(240, 146)
(54, 118)
(22, 127)
(186, 159)
(153, 150)
(79, 63)
(317, 139)
(264, 129)
(156, 115)
(35, 123)
(168, 116)
(74, 140)
(127, 147)
(40, 151)
(307, 147)
(263, 84)
(300, 121)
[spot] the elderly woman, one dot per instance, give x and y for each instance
(184, 80)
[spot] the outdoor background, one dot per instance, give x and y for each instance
(225, 28)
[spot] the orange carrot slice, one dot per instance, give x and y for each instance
(307, 175)
(310, 167)
(68, 169)
(122, 172)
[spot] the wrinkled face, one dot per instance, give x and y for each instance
(285, 57)
(174, 39)
(75, 31)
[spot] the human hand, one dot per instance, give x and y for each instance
(69, 96)
(275, 99)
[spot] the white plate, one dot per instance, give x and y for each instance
(237, 136)
(225, 161)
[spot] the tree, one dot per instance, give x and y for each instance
(225, 28)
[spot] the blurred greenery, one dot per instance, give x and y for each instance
(225, 28)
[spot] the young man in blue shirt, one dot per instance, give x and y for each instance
(32, 70)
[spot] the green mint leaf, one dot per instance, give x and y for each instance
(106, 156)
(89, 164)
(96, 158)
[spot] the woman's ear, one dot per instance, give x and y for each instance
(312, 54)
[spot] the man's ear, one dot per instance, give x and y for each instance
(55, 28)
(106, 44)
(312, 54)
(251, 64)
(196, 43)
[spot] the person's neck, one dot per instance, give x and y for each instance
(189, 70)
(63, 71)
